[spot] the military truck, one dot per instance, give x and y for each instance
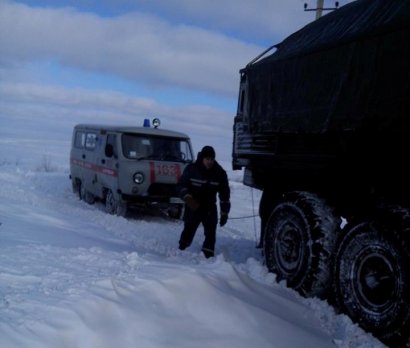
(129, 167)
(323, 129)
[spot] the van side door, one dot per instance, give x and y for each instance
(108, 175)
(88, 157)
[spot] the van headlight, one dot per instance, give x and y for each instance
(138, 178)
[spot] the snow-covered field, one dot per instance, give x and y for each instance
(73, 276)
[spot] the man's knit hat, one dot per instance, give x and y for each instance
(208, 152)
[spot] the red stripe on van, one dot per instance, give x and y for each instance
(94, 167)
(178, 170)
(152, 171)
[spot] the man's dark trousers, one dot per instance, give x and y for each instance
(209, 218)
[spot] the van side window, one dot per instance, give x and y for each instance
(112, 140)
(90, 141)
(79, 139)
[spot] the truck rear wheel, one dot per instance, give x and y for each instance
(299, 241)
(372, 277)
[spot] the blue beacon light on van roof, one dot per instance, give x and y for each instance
(155, 122)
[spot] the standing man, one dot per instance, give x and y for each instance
(198, 186)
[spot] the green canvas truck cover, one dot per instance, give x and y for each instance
(347, 71)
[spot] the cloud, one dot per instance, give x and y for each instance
(264, 21)
(63, 107)
(137, 47)
(193, 47)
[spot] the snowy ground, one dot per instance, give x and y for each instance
(73, 276)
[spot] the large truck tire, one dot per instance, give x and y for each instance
(299, 243)
(267, 203)
(372, 276)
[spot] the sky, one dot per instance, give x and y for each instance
(72, 276)
(118, 62)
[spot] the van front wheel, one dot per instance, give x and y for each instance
(114, 206)
(175, 211)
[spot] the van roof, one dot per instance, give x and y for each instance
(132, 129)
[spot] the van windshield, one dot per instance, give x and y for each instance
(140, 147)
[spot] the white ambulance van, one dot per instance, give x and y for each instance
(126, 167)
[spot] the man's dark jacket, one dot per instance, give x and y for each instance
(204, 184)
